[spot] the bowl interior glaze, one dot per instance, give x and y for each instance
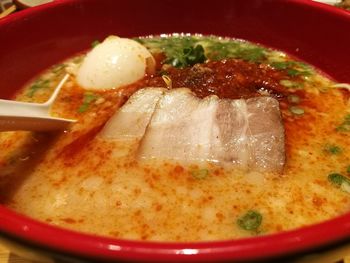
(36, 38)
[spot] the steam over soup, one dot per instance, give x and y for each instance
(209, 139)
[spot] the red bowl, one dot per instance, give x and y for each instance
(33, 39)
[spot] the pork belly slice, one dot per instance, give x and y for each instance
(177, 125)
(230, 133)
(181, 128)
(251, 134)
(131, 120)
(247, 134)
(266, 145)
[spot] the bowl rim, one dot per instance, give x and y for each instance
(24, 229)
(23, 13)
(39, 234)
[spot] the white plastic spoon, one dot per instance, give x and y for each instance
(28, 116)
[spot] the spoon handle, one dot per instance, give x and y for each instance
(22, 109)
(12, 123)
(16, 115)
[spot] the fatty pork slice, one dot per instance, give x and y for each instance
(265, 131)
(230, 133)
(180, 128)
(247, 134)
(131, 120)
(251, 134)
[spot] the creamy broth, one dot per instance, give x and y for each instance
(77, 180)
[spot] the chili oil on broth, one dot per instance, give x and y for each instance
(85, 183)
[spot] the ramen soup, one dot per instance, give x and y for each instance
(182, 138)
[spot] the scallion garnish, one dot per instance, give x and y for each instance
(289, 84)
(280, 65)
(189, 56)
(293, 99)
(332, 149)
(296, 110)
(87, 100)
(58, 68)
(255, 54)
(293, 68)
(39, 84)
(345, 125)
(250, 221)
(340, 181)
(293, 72)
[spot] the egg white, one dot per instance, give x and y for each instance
(114, 63)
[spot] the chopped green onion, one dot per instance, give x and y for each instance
(289, 84)
(296, 110)
(305, 73)
(58, 68)
(39, 84)
(194, 55)
(343, 128)
(336, 179)
(293, 72)
(200, 174)
(221, 50)
(302, 65)
(280, 65)
(340, 181)
(293, 99)
(250, 221)
(189, 56)
(255, 54)
(88, 99)
(301, 68)
(332, 149)
(345, 125)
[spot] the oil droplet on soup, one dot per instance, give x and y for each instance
(82, 180)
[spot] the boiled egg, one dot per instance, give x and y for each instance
(114, 63)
